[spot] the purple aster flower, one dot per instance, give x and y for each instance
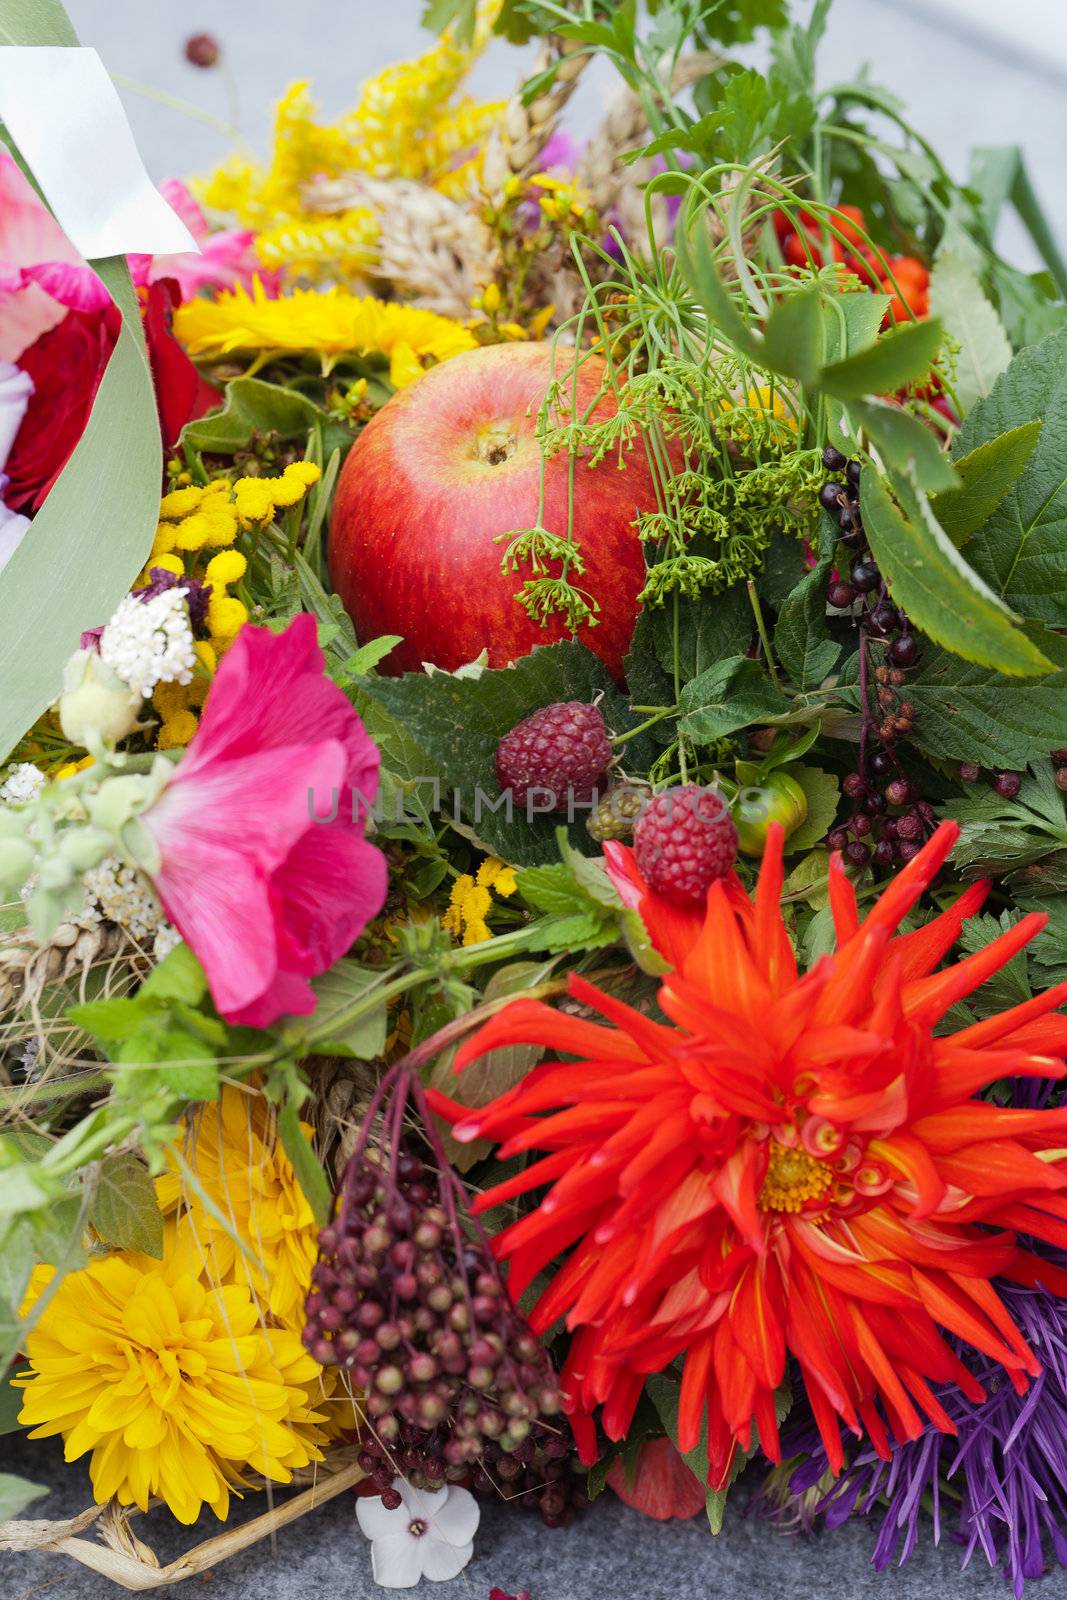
(197, 594)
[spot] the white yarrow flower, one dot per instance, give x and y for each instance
(150, 641)
(118, 893)
(22, 783)
(427, 1536)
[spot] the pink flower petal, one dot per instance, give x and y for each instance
(73, 285)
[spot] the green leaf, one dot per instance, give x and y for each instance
(58, 1231)
(110, 1021)
(252, 406)
(802, 641)
(728, 696)
(35, 22)
(957, 298)
(900, 357)
(967, 713)
(17, 1260)
(179, 976)
(344, 984)
(986, 474)
(457, 724)
(929, 579)
(124, 1209)
(823, 793)
(904, 443)
(89, 540)
(1021, 549)
(16, 1494)
(309, 1173)
(11, 1403)
(794, 340)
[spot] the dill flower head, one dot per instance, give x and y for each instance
(245, 1188)
(172, 1385)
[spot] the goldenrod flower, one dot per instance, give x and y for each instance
(240, 1165)
(330, 323)
(173, 1386)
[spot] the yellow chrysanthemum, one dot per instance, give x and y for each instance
(172, 1385)
(241, 1167)
(329, 322)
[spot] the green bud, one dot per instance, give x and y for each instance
(96, 707)
(84, 848)
(119, 799)
(16, 864)
(55, 873)
(776, 798)
(13, 824)
(139, 844)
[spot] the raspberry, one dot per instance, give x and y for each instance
(560, 753)
(684, 840)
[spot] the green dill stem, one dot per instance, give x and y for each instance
(761, 629)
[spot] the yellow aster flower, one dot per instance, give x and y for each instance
(329, 322)
(496, 874)
(241, 1166)
(229, 566)
(171, 1385)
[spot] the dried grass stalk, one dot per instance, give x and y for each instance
(126, 1560)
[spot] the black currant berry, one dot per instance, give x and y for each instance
(1008, 784)
(833, 460)
(904, 652)
(865, 576)
(831, 494)
(841, 594)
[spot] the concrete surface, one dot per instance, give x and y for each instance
(611, 1554)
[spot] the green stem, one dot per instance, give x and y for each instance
(642, 727)
(761, 629)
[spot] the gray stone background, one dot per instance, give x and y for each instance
(973, 72)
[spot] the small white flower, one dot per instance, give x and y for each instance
(150, 641)
(22, 783)
(167, 939)
(427, 1536)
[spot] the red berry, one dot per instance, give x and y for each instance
(899, 792)
(557, 754)
(684, 840)
(970, 772)
(840, 595)
(1008, 784)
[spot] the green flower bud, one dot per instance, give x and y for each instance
(83, 848)
(777, 798)
(16, 864)
(56, 873)
(96, 707)
(119, 799)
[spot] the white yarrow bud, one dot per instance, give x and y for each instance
(122, 895)
(150, 641)
(97, 706)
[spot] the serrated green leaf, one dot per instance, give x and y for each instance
(794, 339)
(728, 696)
(823, 793)
(17, 1260)
(345, 983)
(251, 407)
(904, 443)
(929, 579)
(457, 724)
(309, 1173)
(802, 639)
(986, 474)
(968, 713)
(109, 1020)
(898, 358)
(958, 299)
(124, 1209)
(179, 976)
(1021, 550)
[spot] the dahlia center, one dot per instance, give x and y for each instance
(793, 1179)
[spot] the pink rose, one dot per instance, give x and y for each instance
(264, 894)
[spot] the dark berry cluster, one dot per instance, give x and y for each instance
(1009, 784)
(889, 822)
(542, 1473)
(408, 1297)
(863, 588)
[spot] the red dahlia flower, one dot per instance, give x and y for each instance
(795, 1165)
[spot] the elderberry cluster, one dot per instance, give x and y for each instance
(541, 1474)
(890, 823)
(412, 1303)
(878, 615)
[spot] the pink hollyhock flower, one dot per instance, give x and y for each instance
(264, 894)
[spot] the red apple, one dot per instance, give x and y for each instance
(446, 466)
